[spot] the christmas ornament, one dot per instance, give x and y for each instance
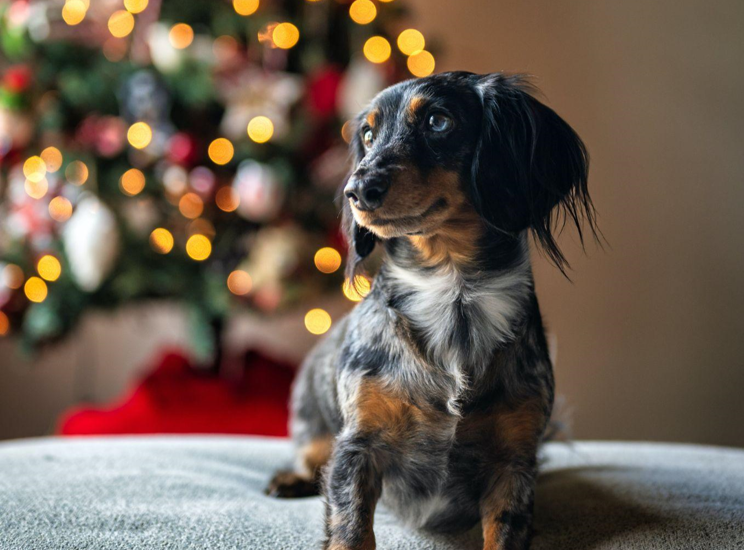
(259, 190)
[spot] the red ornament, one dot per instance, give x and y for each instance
(182, 149)
(323, 90)
(17, 79)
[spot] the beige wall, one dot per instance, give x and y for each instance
(651, 333)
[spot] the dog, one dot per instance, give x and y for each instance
(435, 392)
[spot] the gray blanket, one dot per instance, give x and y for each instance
(205, 493)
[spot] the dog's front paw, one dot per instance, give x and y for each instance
(291, 485)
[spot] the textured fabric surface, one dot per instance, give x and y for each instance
(205, 493)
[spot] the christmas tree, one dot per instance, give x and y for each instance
(184, 150)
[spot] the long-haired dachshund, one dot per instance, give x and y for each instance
(435, 392)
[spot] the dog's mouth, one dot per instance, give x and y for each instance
(437, 206)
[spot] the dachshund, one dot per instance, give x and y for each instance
(434, 394)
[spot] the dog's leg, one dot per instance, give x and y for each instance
(304, 481)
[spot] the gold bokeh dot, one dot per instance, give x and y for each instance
(260, 129)
(411, 41)
(221, 151)
(245, 7)
(201, 226)
(421, 63)
(285, 35)
(60, 209)
(161, 240)
(37, 189)
(377, 49)
(239, 282)
(191, 206)
(198, 247)
(355, 292)
(73, 12)
(52, 158)
(35, 289)
(317, 321)
(34, 169)
(347, 131)
(13, 276)
(49, 268)
(132, 182)
(139, 135)
(227, 199)
(136, 6)
(121, 23)
(181, 36)
(77, 172)
(327, 260)
(362, 12)
(4, 324)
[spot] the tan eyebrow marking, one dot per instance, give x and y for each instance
(372, 118)
(416, 103)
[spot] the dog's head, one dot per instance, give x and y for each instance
(433, 153)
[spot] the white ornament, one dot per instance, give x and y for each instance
(361, 83)
(260, 191)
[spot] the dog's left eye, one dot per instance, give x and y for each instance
(439, 123)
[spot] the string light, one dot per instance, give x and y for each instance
(132, 182)
(377, 49)
(347, 131)
(266, 35)
(421, 63)
(73, 12)
(245, 7)
(60, 209)
(221, 151)
(411, 41)
(191, 206)
(13, 276)
(36, 189)
(362, 12)
(260, 129)
(327, 260)
(52, 158)
(4, 324)
(121, 23)
(139, 135)
(77, 172)
(136, 6)
(198, 248)
(227, 199)
(34, 169)
(35, 289)
(285, 35)
(181, 36)
(239, 282)
(317, 321)
(355, 292)
(49, 268)
(161, 240)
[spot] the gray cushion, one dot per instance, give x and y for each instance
(205, 493)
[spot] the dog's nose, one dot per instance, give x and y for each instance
(367, 193)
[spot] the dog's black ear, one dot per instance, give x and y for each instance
(361, 242)
(530, 168)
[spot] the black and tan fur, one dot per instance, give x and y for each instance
(434, 393)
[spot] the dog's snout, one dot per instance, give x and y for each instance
(367, 193)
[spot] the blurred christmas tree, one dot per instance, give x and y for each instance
(180, 149)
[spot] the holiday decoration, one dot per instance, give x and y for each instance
(182, 150)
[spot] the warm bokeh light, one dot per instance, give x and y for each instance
(73, 12)
(121, 23)
(377, 49)
(260, 129)
(327, 260)
(227, 199)
(136, 6)
(77, 172)
(34, 169)
(356, 292)
(411, 41)
(114, 49)
(245, 7)
(161, 240)
(221, 151)
(239, 282)
(4, 324)
(421, 64)
(181, 36)
(49, 268)
(139, 135)
(13, 276)
(362, 11)
(201, 226)
(347, 131)
(35, 289)
(132, 182)
(317, 321)
(60, 209)
(225, 47)
(198, 247)
(52, 158)
(191, 206)
(36, 189)
(285, 35)
(385, 1)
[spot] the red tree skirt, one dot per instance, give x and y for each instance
(175, 398)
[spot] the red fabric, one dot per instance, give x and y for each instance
(175, 398)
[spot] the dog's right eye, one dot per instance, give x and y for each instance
(368, 138)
